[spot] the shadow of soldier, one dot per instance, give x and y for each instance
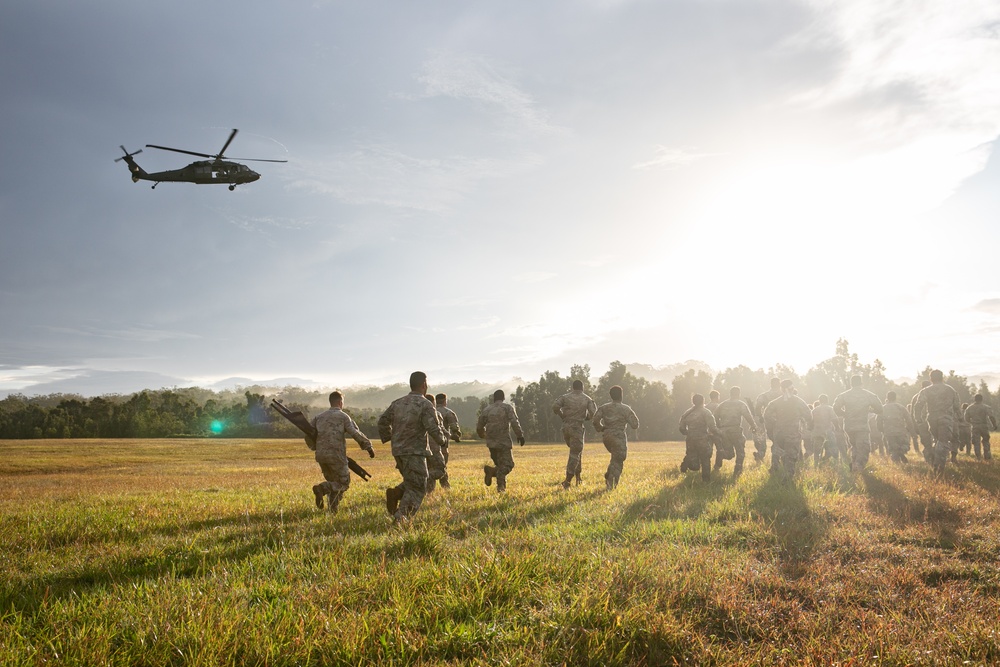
(685, 498)
(781, 504)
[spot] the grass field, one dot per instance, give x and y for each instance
(211, 552)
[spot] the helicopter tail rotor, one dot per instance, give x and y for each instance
(127, 154)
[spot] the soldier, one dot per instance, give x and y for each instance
(495, 422)
(963, 431)
(408, 422)
(574, 409)
(824, 433)
(854, 405)
(760, 439)
(437, 464)
(332, 427)
(920, 419)
(940, 403)
(784, 418)
(698, 425)
(451, 427)
(611, 420)
(898, 427)
(717, 441)
(730, 417)
(980, 416)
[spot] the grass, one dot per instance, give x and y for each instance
(211, 552)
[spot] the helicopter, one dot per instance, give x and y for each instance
(203, 172)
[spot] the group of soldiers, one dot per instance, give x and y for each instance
(419, 427)
(934, 419)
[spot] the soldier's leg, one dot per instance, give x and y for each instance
(704, 454)
(987, 454)
(505, 463)
(445, 484)
(790, 456)
(977, 439)
(414, 472)
(739, 444)
(435, 467)
(861, 448)
(760, 444)
(943, 433)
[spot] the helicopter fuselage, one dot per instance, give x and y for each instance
(203, 172)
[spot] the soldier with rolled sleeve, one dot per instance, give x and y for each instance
(981, 417)
(610, 421)
(574, 409)
(408, 422)
(332, 428)
(854, 405)
(494, 425)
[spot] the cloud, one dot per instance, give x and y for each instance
(988, 306)
(138, 334)
(673, 158)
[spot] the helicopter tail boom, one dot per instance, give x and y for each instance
(138, 173)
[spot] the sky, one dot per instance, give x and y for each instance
(487, 190)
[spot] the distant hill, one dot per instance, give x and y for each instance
(666, 374)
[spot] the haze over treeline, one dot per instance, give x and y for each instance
(245, 412)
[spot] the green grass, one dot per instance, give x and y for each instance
(209, 552)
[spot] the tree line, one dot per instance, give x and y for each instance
(194, 411)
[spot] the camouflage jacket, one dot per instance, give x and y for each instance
(763, 400)
(450, 420)
(785, 416)
(697, 422)
(937, 400)
(731, 413)
(495, 422)
(896, 420)
(980, 414)
(824, 419)
(408, 422)
(854, 405)
(575, 408)
(332, 428)
(613, 417)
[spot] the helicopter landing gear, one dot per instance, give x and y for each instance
(154, 185)
(232, 187)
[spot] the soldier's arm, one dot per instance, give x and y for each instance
(453, 428)
(385, 425)
(359, 437)
(875, 405)
(431, 421)
(838, 407)
(515, 423)
(633, 419)
(481, 425)
(557, 406)
(599, 420)
(591, 409)
(911, 426)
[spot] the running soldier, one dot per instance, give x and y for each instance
(854, 405)
(824, 433)
(898, 427)
(611, 420)
(437, 464)
(698, 425)
(730, 417)
(574, 409)
(923, 430)
(332, 428)
(981, 417)
(451, 427)
(407, 423)
(940, 403)
(784, 418)
(963, 431)
(494, 425)
(760, 438)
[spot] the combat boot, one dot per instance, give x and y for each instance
(684, 465)
(318, 492)
(566, 482)
(501, 484)
(608, 481)
(392, 498)
(579, 480)
(431, 483)
(445, 484)
(489, 472)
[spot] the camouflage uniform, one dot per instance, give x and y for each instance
(854, 405)
(760, 439)
(980, 416)
(437, 464)
(784, 418)
(495, 422)
(449, 421)
(408, 422)
(919, 414)
(963, 430)
(698, 424)
(574, 408)
(897, 426)
(824, 433)
(730, 416)
(941, 405)
(611, 420)
(332, 428)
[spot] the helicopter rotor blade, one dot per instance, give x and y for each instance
(252, 159)
(178, 150)
(127, 154)
(226, 145)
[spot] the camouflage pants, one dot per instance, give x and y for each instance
(338, 479)
(436, 464)
(503, 460)
(964, 438)
(698, 455)
(943, 430)
(897, 444)
(413, 468)
(981, 434)
(760, 441)
(785, 453)
(574, 440)
(926, 439)
(861, 447)
(733, 444)
(617, 446)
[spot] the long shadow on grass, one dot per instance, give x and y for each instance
(686, 498)
(264, 532)
(781, 503)
(985, 475)
(891, 502)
